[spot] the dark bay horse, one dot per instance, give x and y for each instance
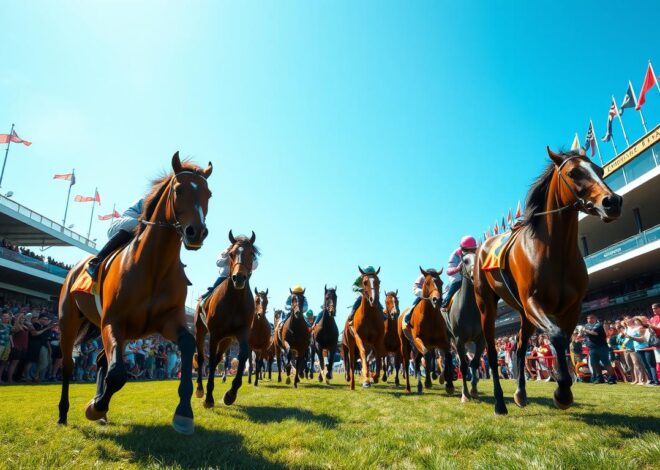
(325, 334)
(273, 353)
(141, 291)
(294, 333)
(429, 331)
(367, 332)
(227, 314)
(391, 341)
(465, 323)
(545, 277)
(259, 337)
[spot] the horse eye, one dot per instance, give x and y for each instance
(575, 173)
(177, 189)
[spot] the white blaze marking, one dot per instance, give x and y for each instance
(587, 166)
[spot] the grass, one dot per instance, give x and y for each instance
(321, 426)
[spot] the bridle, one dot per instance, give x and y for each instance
(330, 301)
(580, 204)
(464, 272)
(395, 303)
(436, 286)
(262, 309)
(170, 202)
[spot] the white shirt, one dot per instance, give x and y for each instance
(223, 263)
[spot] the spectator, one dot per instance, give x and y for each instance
(38, 348)
(20, 338)
(635, 367)
(5, 341)
(599, 353)
(640, 334)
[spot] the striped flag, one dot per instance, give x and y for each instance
(590, 140)
(66, 177)
(628, 99)
(503, 225)
(496, 229)
(518, 211)
(95, 198)
(576, 142)
(509, 218)
(113, 215)
(610, 118)
(6, 138)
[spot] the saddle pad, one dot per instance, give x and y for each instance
(84, 282)
(496, 259)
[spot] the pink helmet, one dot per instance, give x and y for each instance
(468, 243)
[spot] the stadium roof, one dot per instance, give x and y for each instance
(25, 227)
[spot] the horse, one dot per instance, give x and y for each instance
(141, 290)
(259, 336)
(367, 331)
(544, 277)
(226, 314)
(273, 353)
(293, 337)
(429, 331)
(465, 325)
(325, 334)
(391, 341)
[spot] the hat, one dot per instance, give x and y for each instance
(297, 289)
(310, 313)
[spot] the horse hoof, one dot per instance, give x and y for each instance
(474, 393)
(183, 425)
(450, 390)
(288, 381)
(224, 379)
(366, 385)
(327, 381)
(92, 414)
(199, 393)
(434, 375)
(103, 421)
(441, 379)
(61, 422)
(320, 378)
(465, 399)
(561, 400)
(520, 399)
(209, 404)
(501, 410)
(230, 397)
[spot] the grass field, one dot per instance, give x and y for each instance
(320, 426)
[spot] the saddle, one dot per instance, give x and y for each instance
(496, 256)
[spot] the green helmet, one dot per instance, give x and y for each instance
(369, 269)
(309, 313)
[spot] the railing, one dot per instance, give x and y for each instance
(45, 221)
(32, 262)
(624, 246)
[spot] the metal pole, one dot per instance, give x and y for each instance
(113, 212)
(91, 218)
(616, 110)
(657, 85)
(11, 132)
(593, 134)
(68, 197)
(616, 152)
(641, 116)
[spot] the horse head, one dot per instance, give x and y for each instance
(392, 304)
(260, 302)
(330, 300)
(188, 199)
(297, 303)
(241, 258)
(581, 185)
(467, 266)
(370, 286)
(432, 288)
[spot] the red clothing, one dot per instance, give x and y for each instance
(20, 339)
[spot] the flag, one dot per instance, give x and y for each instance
(95, 198)
(67, 177)
(649, 81)
(509, 218)
(576, 142)
(518, 211)
(628, 99)
(610, 118)
(113, 215)
(496, 229)
(590, 140)
(6, 138)
(503, 226)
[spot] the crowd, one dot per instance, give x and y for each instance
(30, 350)
(31, 254)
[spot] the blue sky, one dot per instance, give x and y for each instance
(342, 133)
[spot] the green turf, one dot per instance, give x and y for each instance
(331, 427)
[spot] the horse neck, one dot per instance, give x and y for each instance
(367, 308)
(561, 227)
(161, 245)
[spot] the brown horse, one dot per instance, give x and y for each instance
(367, 332)
(227, 314)
(294, 333)
(545, 277)
(428, 331)
(141, 291)
(259, 337)
(325, 334)
(391, 341)
(273, 353)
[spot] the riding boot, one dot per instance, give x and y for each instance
(121, 238)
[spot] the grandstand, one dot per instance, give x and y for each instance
(623, 257)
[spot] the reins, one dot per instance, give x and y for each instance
(579, 204)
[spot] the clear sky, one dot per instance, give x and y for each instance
(342, 133)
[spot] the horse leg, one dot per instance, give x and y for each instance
(116, 376)
(287, 368)
(397, 366)
(363, 357)
(257, 368)
(183, 415)
(69, 326)
(563, 396)
(200, 335)
(330, 362)
(350, 366)
(526, 330)
(250, 363)
(384, 360)
(101, 371)
(430, 368)
(279, 365)
(214, 356)
(418, 371)
(448, 371)
(243, 352)
(460, 349)
(405, 353)
(474, 365)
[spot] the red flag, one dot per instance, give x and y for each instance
(518, 211)
(66, 177)
(6, 138)
(97, 197)
(509, 218)
(113, 215)
(496, 230)
(649, 81)
(80, 198)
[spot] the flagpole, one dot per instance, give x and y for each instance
(593, 134)
(655, 79)
(91, 218)
(68, 197)
(641, 115)
(113, 212)
(11, 132)
(616, 152)
(616, 109)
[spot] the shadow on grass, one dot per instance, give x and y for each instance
(161, 446)
(272, 414)
(627, 426)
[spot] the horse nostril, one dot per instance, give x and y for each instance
(607, 202)
(190, 231)
(205, 233)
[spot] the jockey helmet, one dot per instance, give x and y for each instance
(369, 269)
(468, 243)
(297, 289)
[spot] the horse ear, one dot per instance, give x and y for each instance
(555, 157)
(207, 171)
(440, 271)
(176, 163)
(335, 287)
(266, 292)
(325, 288)
(231, 237)
(256, 291)
(582, 152)
(361, 272)
(422, 271)
(290, 292)
(378, 271)
(396, 293)
(253, 238)
(303, 292)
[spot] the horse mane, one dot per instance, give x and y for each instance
(158, 187)
(243, 240)
(538, 192)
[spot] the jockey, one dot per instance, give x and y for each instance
(309, 318)
(418, 285)
(454, 265)
(287, 308)
(223, 270)
(121, 231)
(357, 288)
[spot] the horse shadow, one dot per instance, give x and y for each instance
(627, 426)
(160, 445)
(273, 414)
